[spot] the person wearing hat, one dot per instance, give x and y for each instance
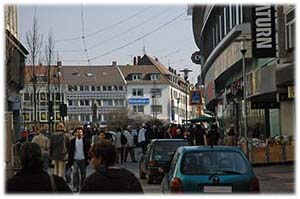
(78, 157)
(59, 147)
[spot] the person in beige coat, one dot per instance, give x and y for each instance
(59, 148)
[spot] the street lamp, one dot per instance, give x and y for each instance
(186, 75)
(243, 51)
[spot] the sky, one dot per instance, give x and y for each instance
(114, 33)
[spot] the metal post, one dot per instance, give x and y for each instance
(243, 51)
(186, 75)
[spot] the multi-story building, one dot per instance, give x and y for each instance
(91, 93)
(102, 87)
(222, 33)
(54, 91)
(15, 54)
(155, 91)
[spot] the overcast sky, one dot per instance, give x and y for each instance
(115, 33)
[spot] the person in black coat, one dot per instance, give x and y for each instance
(32, 178)
(108, 178)
(78, 157)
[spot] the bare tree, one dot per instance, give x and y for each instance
(49, 49)
(34, 42)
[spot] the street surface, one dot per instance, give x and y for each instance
(272, 178)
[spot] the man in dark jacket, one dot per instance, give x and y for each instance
(108, 178)
(78, 157)
(32, 178)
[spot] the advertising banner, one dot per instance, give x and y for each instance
(263, 31)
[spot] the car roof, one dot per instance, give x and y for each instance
(168, 140)
(185, 149)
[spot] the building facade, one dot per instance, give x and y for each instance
(221, 32)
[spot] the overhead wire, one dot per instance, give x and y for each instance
(104, 29)
(83, 37)
(139, 38)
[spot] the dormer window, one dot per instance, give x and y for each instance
(89, 74)
(155, 76)
(136, 76)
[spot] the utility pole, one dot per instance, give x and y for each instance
(186, 76)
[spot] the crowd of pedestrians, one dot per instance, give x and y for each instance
(71, 153)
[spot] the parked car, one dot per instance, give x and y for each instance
(217, 169)
(155, 162)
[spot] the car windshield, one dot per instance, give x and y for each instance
(214, 162)
(163, 151)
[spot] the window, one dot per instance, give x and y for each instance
(27, 116)
(109, 88)
(290, 29)
(156, 92)
(99, 102)
(26, 97)
(43, 96)
(120, 88)
(98, 88)
(136, 76)
(137, 92)
(81, 88)
(87, 88)
(93, 88)
(75, 88)
(156, 108)
(154, 76)
(70, 88)
(104, 88)
(234, 16)
(81, 102)
(70, 102)
(87, 102)
(57, 96)
(109, 102)
(43, 116)
(115, 87)
(138, 109)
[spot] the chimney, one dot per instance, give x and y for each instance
(134, 60)
(139, 60)
(175, 72)
(114, 63)
(169, 68)
(156, 59)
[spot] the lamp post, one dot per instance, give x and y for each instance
(178, 100)
(186, 76)
(243, 51)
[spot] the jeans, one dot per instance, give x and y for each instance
(45, 160)
(59, 168)
(78, 166)
(120, 155)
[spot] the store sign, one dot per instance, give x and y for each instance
(138, 101)
(195, 97)
(263, 31)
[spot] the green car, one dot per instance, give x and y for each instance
(209, 169)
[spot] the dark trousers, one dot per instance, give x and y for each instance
(131, 151)
(120, 154)
(79, 166)
(144, 146)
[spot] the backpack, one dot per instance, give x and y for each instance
(123, 139)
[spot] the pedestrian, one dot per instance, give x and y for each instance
(43, 141)
(119, 146)
(129, 147)
(32, 178)
(167, 134)
(78, 158)
(230, 138)
(59, 148)
(188, 137)
(213, 135)
(108, 178)
(179, 134)
(142, 138)
(199, 135)
(256, 131)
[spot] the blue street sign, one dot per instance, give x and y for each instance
(138, 100)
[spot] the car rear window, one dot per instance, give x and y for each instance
(208, 162)
(163, 151)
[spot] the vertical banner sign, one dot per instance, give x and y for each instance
(263, 31)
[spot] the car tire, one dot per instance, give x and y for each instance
(149, 179)
(141, 173)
